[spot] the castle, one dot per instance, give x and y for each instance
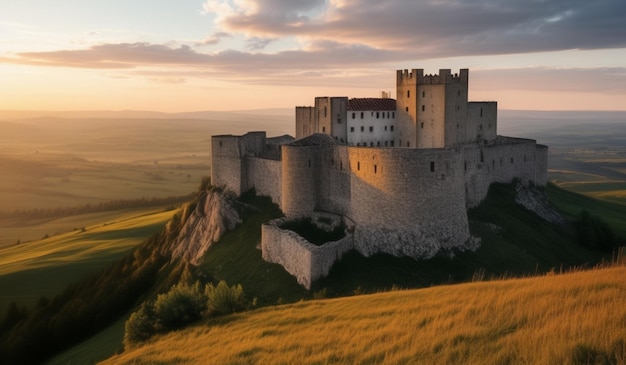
(398, 174)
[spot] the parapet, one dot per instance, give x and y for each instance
(445, 76)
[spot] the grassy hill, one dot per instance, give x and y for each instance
(576, 318)
(45, 267)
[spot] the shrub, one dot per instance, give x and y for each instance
(222, 299)
(141, 325)
(181, 305)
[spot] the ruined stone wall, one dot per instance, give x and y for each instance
(502, 161)
(407, 201)
(302, 259)
(265, 176)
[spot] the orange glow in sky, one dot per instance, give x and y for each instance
(250, 54)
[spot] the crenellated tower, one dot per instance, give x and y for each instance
(432, 109)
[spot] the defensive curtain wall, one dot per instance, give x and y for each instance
(400, 201)
(241, 163)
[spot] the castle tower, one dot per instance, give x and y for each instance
(432, 109)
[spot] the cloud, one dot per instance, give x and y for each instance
(213, 39)
(435, 28)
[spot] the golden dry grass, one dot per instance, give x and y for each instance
(525, 321)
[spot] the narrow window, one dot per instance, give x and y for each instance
(422, 125)
(362, 128)
(338, 120)
(377, 115)
(385, 127)
(309, 163)
(482, 157)
(481, 112)
(371, 144)
(340, 165)
(361, 115)
(407, 108)
(458, 93)
(511, 159)
(324, 111)
(386, 143)
(432, 166)
(423, 94)
(371, 129)
(393, 114)
(481, 127)
(392, 143)
(408, 144)
(392, 128)
(378, 144)
(493, 164)
(332, 162)
(351, 129)
(220, 143)
(408, 93)
(323, 129)
(465, 165)
(353, 115)
(358, 166)
(423, 107)
(375, 168)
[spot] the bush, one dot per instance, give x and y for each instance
(180, 306)
(222, 299)
(141, 325)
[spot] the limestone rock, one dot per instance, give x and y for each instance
(215, 214)
(536, 201)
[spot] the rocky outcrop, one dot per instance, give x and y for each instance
(215, 214)
(536, 200)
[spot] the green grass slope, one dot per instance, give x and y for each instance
(576, 318)
(45, 267)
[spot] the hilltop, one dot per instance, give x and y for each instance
(575, 318)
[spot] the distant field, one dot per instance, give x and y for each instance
(45, 267)
(587, 150)
(55, 160)
(574, 318)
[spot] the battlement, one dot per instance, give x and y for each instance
(445, 76)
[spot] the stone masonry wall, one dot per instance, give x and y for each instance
(407, 201)
(502, 161)
(265, 176)
(302, 259)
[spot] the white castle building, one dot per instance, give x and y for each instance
(399, 174)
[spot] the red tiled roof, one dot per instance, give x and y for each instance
(375, 104)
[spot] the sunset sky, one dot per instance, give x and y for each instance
(192, 55)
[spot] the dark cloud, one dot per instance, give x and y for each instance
(445, 27)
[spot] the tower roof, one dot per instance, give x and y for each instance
(375, 104)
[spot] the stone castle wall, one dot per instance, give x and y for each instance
(265, 176)
(302, 259)
(502, 161)
(404, 200)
